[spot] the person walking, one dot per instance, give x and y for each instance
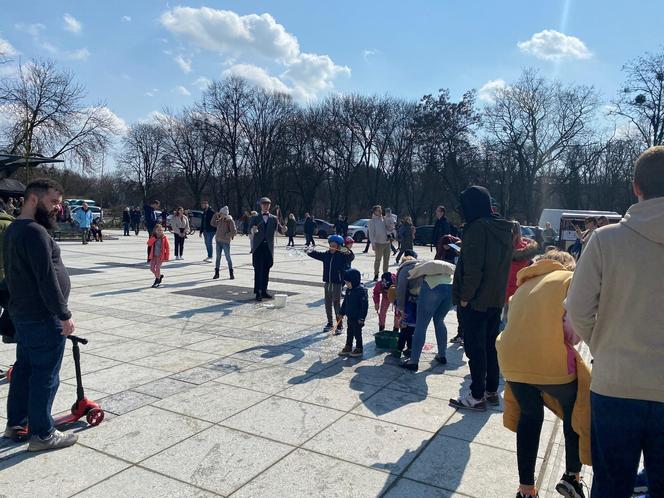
(433, 302)
(207, 230)
(290, 230)
(309, 229)
(615, 305)
(341, 226)
(263, 226)
(406, 237)
(126, 221)
(38, 286)
(180, 226)
(84, 219)
(150, 219)
(480, 282)
(440, 229)
(226, 231)
(538, 361)
(380, 243)
(136, 220)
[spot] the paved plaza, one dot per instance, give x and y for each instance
(208, 393)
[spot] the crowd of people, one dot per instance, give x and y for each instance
(523, 308)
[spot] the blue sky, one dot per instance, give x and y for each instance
(141, 56)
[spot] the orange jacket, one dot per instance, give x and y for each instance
(165, 247)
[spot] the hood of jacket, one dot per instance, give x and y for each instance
(475, 203)
(354, 277)
(537, 269)
(647, 219)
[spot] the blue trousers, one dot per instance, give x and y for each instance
(620, 430)
(36, 374)
(431, 304)
(209, 237)
(224, 247)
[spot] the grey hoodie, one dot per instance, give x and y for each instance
(615, 303)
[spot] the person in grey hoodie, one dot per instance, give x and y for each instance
(380, 242)
(226, 231)
(615, 305)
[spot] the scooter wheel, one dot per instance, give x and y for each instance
(95, 416)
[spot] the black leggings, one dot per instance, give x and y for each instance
(309, 239)
(179, 244)
(353, 331)
(530, 401)
(291, 242)
(405, 338)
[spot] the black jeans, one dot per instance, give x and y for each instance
(125, 226)
(405, 338)
(262, 261)
(480, 329)
(530, 401)
(309, 239)
(179, 244)
(291, 241)
(354, 331)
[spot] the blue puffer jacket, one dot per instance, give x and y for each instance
(356, 302)
(84, 218)
(335, 264)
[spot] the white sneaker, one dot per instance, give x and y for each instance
(55, 441)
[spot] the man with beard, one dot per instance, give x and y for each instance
(38, 286)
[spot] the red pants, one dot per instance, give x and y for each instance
(382, 313)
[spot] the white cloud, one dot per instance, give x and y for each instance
(118, 123)
(152, 93)
(369, 52)
(125, 19)
(7, 49)
(247, 42)
(182, 91)
(33, 30)
(78, 55)
(202, 83)
(553, 45)
(184, 63)
(488, 91)
(258, 76)
(72, 24)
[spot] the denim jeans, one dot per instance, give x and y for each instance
(226, 248)
(620, 430)
(209, 237)
(431, 304)
(125, 226)
(36, 374)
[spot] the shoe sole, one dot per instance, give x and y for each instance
(356, 355)
(565, 489)
(343, 354)
(455, 404)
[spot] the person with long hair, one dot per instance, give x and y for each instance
(160, 251)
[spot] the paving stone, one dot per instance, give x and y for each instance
(331, 392)
(198, 375)
(469, 468)
(89, 363)
(265, 378)
(222, 346)
(126, 401)
(119, 378)
(370, 442)
(213, 402)
(303, 474)
(218, 459)
(413, 410)
(284, 420)
(59, 473)
(176, 360)
(140, 482)
(163, 388)
(66, 397)
(142, 433)
(405, 488)
(130, 350)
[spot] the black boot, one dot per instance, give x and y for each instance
(230, 270)
(156, 282)
(216, 274)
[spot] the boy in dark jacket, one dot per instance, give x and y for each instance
(355, 307)
(335, 261)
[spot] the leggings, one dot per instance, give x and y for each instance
(179, 245)
(291, 242)
(530, 401)
(155, 267)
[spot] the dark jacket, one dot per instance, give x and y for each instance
(150, 217)
(265, 231)
(206, 222)
(309, 226)
(486, 255)
(136, 216)
(291, 227)
(335, 264)
(440, 229)
(341, 227)
(405, 236)
(356, 302)
(126, 217)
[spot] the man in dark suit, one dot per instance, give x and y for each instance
(263, 226)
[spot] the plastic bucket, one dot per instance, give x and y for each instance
(280, 300)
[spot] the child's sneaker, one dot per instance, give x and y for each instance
(340, 330)
(457, 339)
(492, 398)
(156, 282)
(357, 352)
(468, 402)
(569, 487)
(328, 327)
(346, 351)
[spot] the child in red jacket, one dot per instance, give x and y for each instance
(382, 301)
(160, 251)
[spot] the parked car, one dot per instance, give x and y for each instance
(78, 202)
(527, 232)
(359, 229)
(423, 235)
(323, 228)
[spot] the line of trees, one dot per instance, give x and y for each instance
(536, 143)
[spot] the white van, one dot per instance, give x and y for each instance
(553, 216)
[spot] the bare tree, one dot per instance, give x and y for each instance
(47, 115)
(641, 100)
(143, 153)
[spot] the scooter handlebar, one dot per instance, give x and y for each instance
(75, 339)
